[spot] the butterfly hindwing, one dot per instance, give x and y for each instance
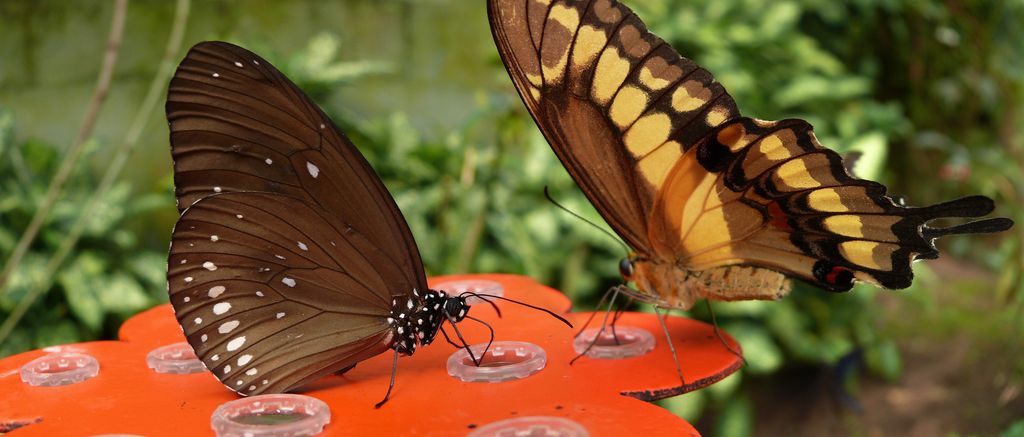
(259, 300)
(768, 194)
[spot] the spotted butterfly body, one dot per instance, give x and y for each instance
(714, 204)
(290, 260)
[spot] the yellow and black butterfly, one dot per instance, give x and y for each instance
(715, 205)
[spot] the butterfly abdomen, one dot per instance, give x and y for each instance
(678, 287)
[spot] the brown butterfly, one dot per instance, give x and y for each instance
(715, 205)
(291, 260)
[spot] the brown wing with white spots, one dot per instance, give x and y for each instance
(267, 306)
(238, 124)
(617, 104)
(768, 194)
(661, 150)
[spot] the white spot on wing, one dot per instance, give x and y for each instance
(238, 64)
(186, 299)
(188, 279)
(216, 189)
(238, 216)
(244, 359)
(236, 343)
(269, 161)
(198, 320)
(278, 256)
(214, 238)
(221, 308)
(209, 266)
(279, 315)
(215, 357)
(216, 75)
(303, 246)
(216, 291)
(252, 371)
(288, 281)
(204, 337)
(314, 171)
(227, 327)
(259, 293)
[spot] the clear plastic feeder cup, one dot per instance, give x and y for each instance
(504, 361)
(174, 358)
(627, 342)
(277, 415)
(61, 368)
(481, 286)
(531, 426)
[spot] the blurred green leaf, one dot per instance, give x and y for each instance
(82, 283)
(689, 406)
(760, 350)
(123, 295)
(736, 419)
(883, 359)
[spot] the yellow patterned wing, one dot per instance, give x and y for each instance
(617, 104)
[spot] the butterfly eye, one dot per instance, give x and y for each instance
(626, 268)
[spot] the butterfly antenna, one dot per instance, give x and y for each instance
(718, 333)
(465, 345)
(394, 370)
(489, 342)
(605, 231)
(550, 313)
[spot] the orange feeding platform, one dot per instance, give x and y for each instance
(599, 396)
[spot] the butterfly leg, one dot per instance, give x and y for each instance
(615, 319)
(600, 303)
(394, 370)
(718, 333)
(668, 339)
(465, 345)
(604, 322)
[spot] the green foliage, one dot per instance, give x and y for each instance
(110, 276)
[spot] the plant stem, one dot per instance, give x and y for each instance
(156, 89)
(99, 94)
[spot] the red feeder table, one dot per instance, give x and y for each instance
(130, 398)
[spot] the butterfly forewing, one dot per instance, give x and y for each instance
(661, 150)
(290, 250)
(237, 124)
(618, 105)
